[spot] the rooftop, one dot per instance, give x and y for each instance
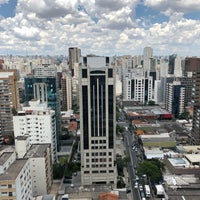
(193, 158)
(6, 74)
(14, 170)
(37, 151)
(4, 157)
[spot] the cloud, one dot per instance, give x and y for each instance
(27, 33)
(98, 27)
(3, 1)
(178, 6)
(48, 8)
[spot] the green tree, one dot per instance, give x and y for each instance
(151, 103)
(184, 115)
(151, 170)
(119, 129)
(58, 170)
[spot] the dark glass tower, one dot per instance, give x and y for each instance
(44, 87)
(97, 109)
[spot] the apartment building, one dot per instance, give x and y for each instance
(39, 156)
(9, 100)
(38, 123)
(15, 182)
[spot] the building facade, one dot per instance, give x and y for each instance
(175, 98)
(42, 85)
(39, 156)
(137, 88)
(9, 100)
(15, 182)
(39, 123)
(73, 56)
(66, 90)
(195, 133)
(97, 121)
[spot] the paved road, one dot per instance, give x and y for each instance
(128, 140)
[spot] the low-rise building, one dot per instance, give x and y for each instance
(15, 182)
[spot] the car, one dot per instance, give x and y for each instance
(142, 196)
(140, 187)
(68, 181)
(136, 185)
(75, 173)
(68, 177)
(136, 178)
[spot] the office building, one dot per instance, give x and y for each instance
(38, 123)
(9, 100)
(73, 56)
(42, 85)
(175, 98)
(97, 121)
(15, 182)
(147, 56)
(172, 63)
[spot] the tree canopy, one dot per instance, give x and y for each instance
(152, 168)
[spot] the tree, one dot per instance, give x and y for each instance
(151, 169)
(184, 115)
(151, 103)
(119, 129)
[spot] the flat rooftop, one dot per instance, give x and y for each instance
(37, 151)
(4, 157)
(193, 158)
(179, 162)
(6, 74)
(14, 170)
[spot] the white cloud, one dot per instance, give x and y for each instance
(99, 27)
(3, 1)
(179, 6)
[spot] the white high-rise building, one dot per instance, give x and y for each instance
(38, 122)
(157, 93)
(178, 72)
(147, 56)
(137, 88)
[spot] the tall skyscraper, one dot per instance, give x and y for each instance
(147, 56)
(175, 98)
(97, 116)
(171, 63)
(43, 85)
(66, 91)
(74, 54)
(9, 100)
(195, 133)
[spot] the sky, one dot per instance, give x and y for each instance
(101, 27)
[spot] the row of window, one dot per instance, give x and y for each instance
(99, 153)
(99, 171)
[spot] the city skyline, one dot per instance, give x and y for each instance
(99, 27)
